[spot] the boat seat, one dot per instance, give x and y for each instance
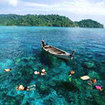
(47, 46)
(59, 53)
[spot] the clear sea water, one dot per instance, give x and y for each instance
(20, 50)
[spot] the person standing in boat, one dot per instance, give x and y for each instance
(72, 54)
(43, 43)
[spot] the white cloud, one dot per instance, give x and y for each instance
(30, 4)
(75, 6)
(80, 7)
(11, 2)
(85, 7)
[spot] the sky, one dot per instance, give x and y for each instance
(76, 10)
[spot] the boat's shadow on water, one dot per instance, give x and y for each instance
(50, 60)
(66, 86)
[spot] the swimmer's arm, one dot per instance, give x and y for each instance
(30, 89)
(31, 86)
(90, 83)
(69, 74)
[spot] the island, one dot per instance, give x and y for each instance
(89, 23)
(45, 20)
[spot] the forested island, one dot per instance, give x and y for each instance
(89, 23)
(45, 20)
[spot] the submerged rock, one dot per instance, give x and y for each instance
(89, 65)
(94, 74)
(25, 60)
(44, 89)
(8, 63)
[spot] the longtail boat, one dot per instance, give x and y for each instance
(57, 52)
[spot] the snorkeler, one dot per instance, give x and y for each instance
(98, 88)
(70, 75)
(21, 87)
(72, 72)
(36, 72)
(43, 72)
(7, 70)
(92, 82)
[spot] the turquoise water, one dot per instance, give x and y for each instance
(20, 50)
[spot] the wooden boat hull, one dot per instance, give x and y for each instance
(57, 52)
(58, 56)
(63, 57)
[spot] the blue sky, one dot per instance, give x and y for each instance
(74, 9)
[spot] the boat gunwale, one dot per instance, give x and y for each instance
(64, 52)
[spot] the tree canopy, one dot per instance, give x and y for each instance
(45, 20)
(89, 23)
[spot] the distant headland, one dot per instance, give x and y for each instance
(45, 20)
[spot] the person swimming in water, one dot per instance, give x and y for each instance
(94, 84)
(70, 75)
(22, 88)
(7, 70)
(36, 72)
(98, 87)
(72, 72)
(43, 72)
